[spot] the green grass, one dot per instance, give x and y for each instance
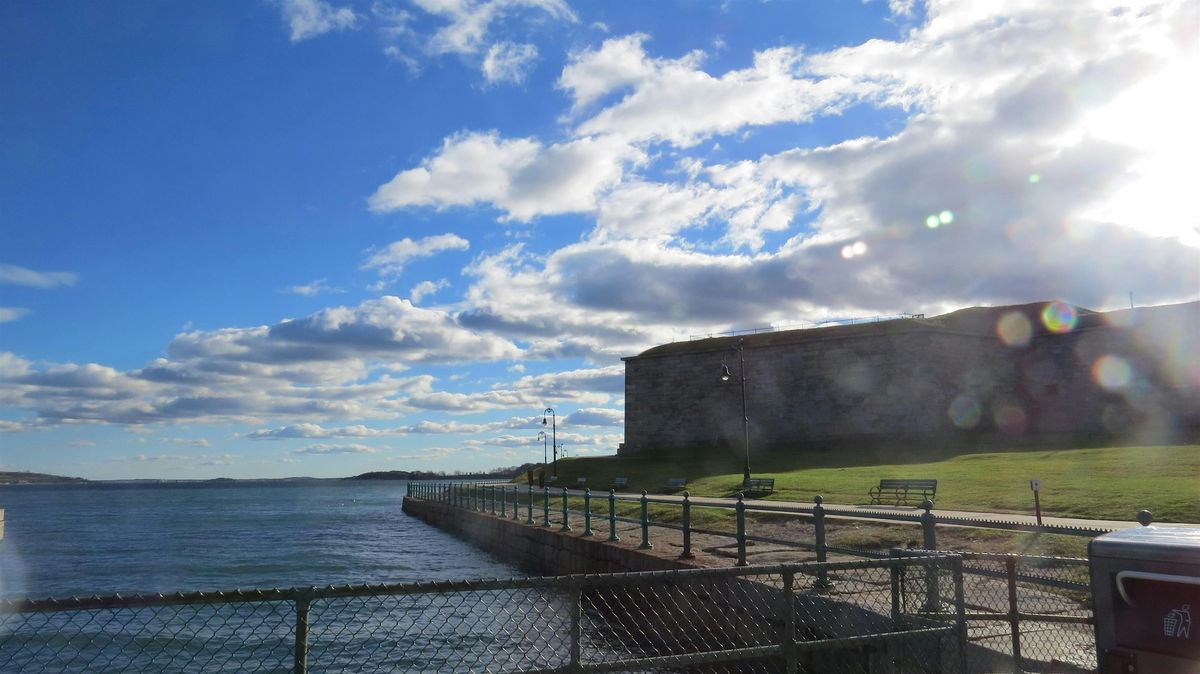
(1101, 483)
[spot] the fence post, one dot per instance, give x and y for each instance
(503, 501)
(789, 622)
(545, 506)
(529, 516)
(516, 503)
(493, 490)
(740, 507)
(822, 549)
(1014, 619)
(960, 610)
(645, 525)
(587, 512)
(933, 601)
(576, 627)
(566, 526)
(687, 526)
(612, 515)
(300, 660)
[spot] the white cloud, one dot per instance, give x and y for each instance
(520, 176)
(317, 287)
(508, 62)
(310, 18)
(391, 259)
(594, 416)
(426, 288)
(9, 314)
(11, 274)
(336, 449)
(308, 430)
(470, 20)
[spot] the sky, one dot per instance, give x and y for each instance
(310, 237)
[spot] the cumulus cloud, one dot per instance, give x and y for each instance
(11, 274)
(426, 288)
(594, 416)
(309, 18)
(391, 259)
(508, 62)
(336, 449)
(519, 176)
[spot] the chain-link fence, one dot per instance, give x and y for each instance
(897, 615)
(1026, 613)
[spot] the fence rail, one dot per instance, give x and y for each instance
(767, 618)
(1026, 613)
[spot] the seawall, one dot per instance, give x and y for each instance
(541, 548)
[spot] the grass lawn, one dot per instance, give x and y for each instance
(1101, 483)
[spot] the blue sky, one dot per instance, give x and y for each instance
(316, 238)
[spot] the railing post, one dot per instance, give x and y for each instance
(960, 611)
(516, 503)
(645, 524)
(529, 520)
(1014, 618)
(933, 600)
(789, 622)
(587, 512)
(546, 506)
(492, 489)
(740, 507)
(566, 526)
(503, 501)
(822, 549)
(300, 659)
(612, 516)
(687, 526)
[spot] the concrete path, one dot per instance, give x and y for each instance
(866, 511)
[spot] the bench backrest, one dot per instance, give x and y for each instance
(581, 480)
(763, 481)
(676, 481)
(620, 481)
(908, 484)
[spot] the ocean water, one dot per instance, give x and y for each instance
(105, 538)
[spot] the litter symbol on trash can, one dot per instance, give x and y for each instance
(1178, 622)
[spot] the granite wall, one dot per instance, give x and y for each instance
(954, 380)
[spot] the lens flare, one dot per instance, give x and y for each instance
(964, 412)
(860, 248)
(1010, 419)
(1034, 179)
(854, 249)
(932, 222)
(1014, 329)
(946, 217)
(1112, 372)
(1059, 317)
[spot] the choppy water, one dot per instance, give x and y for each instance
(107, 538)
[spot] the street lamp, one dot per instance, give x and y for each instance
(726, 375)
(553, 436)
(545, 453)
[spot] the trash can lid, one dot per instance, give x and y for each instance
(1168, 544)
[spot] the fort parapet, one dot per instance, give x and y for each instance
(1041, 374)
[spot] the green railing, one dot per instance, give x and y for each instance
(774, 618)
(1029, 611)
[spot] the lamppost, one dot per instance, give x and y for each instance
(553, 436)
(726, 375)
(545, 452)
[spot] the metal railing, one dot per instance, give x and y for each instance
(1027, 613)
(780, 618)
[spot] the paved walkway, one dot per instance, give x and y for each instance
(865, 511)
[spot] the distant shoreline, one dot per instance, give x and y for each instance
(21, 478)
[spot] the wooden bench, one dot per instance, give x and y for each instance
(759, 485)
(620, 483)
(902, 491)
(675, 483)
(581, 482)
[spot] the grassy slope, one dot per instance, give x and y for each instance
(1103, 483)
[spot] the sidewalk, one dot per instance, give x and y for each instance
(866, 511)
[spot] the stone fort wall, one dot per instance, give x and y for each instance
(1002, 376)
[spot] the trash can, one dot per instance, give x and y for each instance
(1146, 589)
